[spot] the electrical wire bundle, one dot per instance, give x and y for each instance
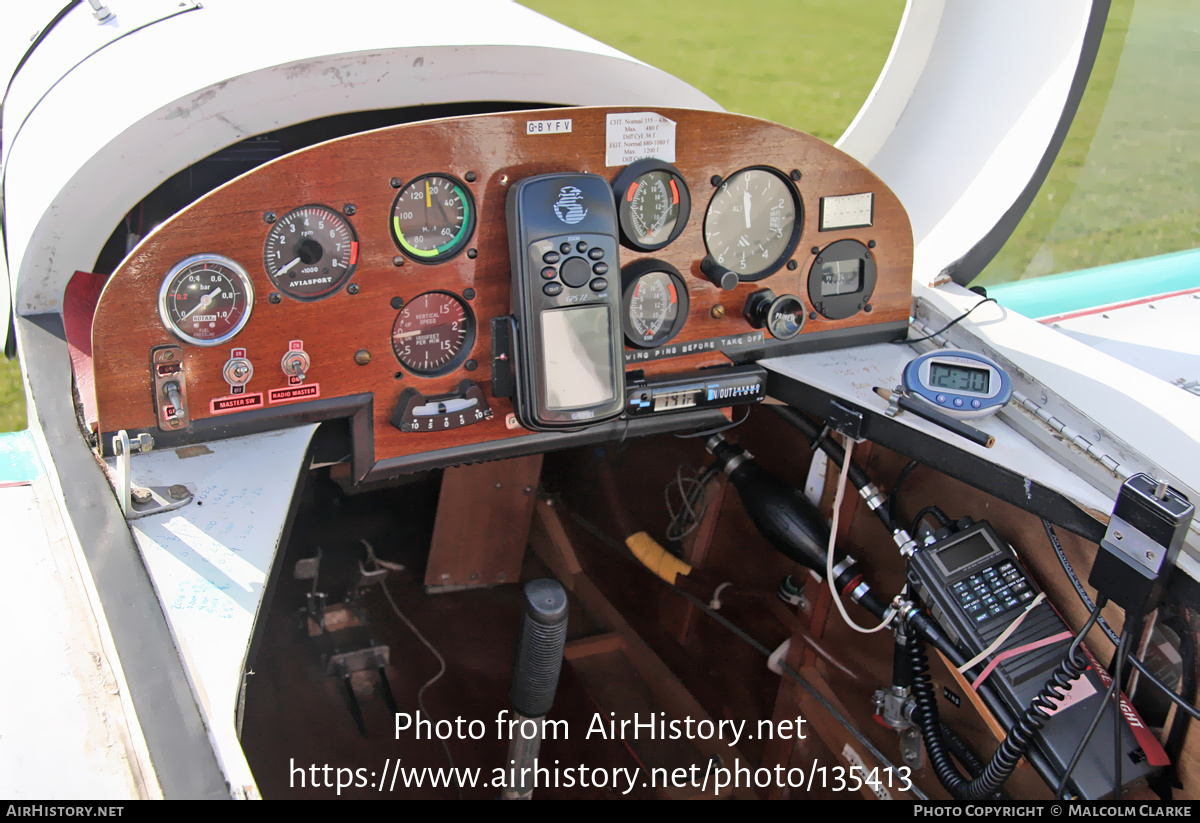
(689, 488)
(1022, 728)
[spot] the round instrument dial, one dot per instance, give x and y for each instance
(310, 252)
(433, 217)
(653, 204)
(753, 223)
(205, 299)
(433, 333)
(842, 279)
(655, 302)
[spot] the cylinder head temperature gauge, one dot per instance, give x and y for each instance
(205, 299)
(654, 300)
(310, 252)
(653, 204)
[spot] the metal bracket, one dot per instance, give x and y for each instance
(140, 501)
(894, 402)
(846, 421)
(369, 578)
(358, 660)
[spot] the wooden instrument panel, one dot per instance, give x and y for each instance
(347, 336)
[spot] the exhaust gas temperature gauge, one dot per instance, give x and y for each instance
(655, 302)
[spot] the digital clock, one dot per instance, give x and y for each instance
(959, 383)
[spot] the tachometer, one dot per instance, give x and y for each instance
(433, 333)
(205, 299)
(310, 252)
(655, 302)
(752, 224)
(433, 217)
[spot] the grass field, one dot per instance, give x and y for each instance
(806, 63)
(1122, 187)
(12, 397)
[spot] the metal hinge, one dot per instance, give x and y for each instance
(1072, 436)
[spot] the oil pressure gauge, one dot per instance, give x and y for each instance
(310, 252)
(205, 299)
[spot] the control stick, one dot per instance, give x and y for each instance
(535, 678)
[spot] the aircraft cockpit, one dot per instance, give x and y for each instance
(473, 412)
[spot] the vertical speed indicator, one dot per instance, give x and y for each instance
(433, 333)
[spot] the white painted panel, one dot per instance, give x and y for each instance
(210, 560)
(1161, 337)
(963, 113)
(65, 734)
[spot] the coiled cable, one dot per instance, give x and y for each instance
(1010, 751)
(1180, 701)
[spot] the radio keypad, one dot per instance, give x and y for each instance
(995, 591)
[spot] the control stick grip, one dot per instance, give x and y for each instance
(535, 678)
(540, 648)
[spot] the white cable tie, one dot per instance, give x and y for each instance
(715, 603)
(1007, 633)
(829, 575)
